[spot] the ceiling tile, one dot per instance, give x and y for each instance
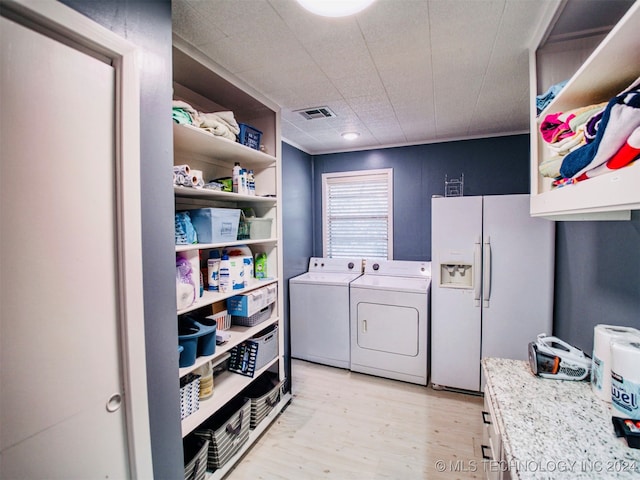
(401, 71)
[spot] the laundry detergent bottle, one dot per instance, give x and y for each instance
(260, 265)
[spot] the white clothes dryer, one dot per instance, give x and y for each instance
(390, 320)
(319, 313)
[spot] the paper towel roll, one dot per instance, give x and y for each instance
(601, 358)
(196, 178)
(625, 377)
(183, 169)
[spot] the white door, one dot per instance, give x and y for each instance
(456, 231)
(61, 375)
(518, 298)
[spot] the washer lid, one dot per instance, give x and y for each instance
(325, 278)
(400, 284)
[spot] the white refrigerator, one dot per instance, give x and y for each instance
(492, 284)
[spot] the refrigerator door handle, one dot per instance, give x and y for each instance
(486, 272)
(477, 262)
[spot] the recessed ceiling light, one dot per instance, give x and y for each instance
(350, 135)
(335, 8)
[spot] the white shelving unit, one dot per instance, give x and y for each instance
(201, 83)
(607, 71)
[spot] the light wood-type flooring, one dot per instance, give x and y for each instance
(343, 425)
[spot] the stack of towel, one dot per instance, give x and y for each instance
(592, 140)
(222, 124)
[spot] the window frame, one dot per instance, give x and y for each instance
(358, 176)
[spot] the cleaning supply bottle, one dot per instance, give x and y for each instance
(248, 269)
(213, 270)
(244, 189)
(251, 183)
(235, 177)
(224, 284)
(261, 265)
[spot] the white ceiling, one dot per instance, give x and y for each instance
(401, 72)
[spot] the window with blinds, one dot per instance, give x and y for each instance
(357, 209)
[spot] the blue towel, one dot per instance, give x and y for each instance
(545, 99)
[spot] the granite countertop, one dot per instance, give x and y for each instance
(555, 429)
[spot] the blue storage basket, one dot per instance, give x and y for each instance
(249, 136)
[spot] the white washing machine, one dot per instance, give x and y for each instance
(390, 320)
(319, 314)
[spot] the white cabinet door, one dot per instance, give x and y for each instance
(60, 305)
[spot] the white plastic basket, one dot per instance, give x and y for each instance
(223, 320)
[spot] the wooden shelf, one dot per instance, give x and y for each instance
(205, 246)
(199, 81)
(209, 298)
(206, 194)
(196, 141)
(238, 335)
(226, 386)
(610, 69)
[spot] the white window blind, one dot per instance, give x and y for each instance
(358, 214)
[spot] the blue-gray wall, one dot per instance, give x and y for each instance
(597, 276)
(297, 222)
(147, 24)
(491, 166)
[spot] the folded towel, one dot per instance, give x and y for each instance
(621, 117)
(184, 113)
(628, 153)
(582, 115)
(555, 127)
(551, 167)
(543, 100)
(220, 123)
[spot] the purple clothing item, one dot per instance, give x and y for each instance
(591, 127)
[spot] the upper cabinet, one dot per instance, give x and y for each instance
(595, 69)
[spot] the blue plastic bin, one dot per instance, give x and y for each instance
(216, 225)
(197, 337)
(188, 333)
(207, 342)
(249, 136)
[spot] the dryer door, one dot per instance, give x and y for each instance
(388, 328)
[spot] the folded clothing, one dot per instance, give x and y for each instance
(184, 113)
(620, 118)
(221, 124)
(629, 152)
(543, 100)
(551, 167)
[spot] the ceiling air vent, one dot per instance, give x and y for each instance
(316, 112)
